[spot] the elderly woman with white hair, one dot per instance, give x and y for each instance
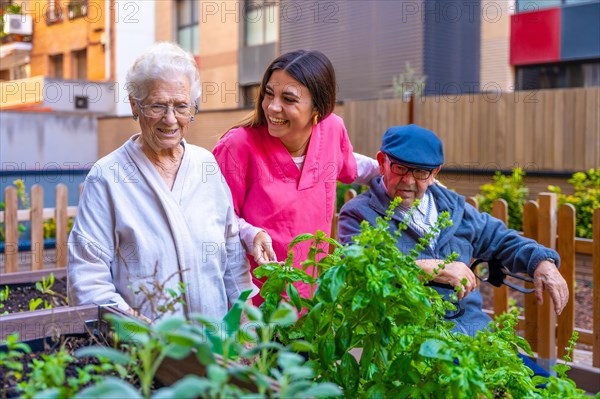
(156, 213)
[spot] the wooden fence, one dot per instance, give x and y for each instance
(12, 216)
(543, 221)
(542, 130)
(554, 227)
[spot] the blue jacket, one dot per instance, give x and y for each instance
(472, 235)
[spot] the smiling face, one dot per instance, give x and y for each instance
(288, 109)
(406, 187)
(163, 134)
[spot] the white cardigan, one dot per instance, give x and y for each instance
(131, 230)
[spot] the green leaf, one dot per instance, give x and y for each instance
(299, 239)
(169, 324)
(295, 300)
(102, 352)
(326, 349)
(322, 390)
(110, 387)
(217, 373)
(232, 318)
(189, 387)
(284, 315)
(434, 348)
(349, 373)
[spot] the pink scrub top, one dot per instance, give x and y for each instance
(270, 192)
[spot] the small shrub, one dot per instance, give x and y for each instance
(509, 188)
(585, 199)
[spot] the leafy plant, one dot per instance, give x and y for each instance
(585, 199)
(10, 359)
(408, 81)
(4, 293)
(175, 337)
(509, 188)
(372, 297)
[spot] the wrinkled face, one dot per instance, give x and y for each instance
(288, 107)
(406, 187)
(164, 132)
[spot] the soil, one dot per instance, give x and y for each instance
(40, 347)
(19, 296)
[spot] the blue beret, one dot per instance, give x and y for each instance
(414, 146)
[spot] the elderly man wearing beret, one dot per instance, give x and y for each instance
(409, 160)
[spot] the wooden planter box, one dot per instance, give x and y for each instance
(91, 319)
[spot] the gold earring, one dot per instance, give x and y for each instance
(316, 119)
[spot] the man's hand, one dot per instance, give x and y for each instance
(547, 277)
(453, 274)
(263, 249)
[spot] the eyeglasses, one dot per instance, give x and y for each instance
(401, 170)
(160, 110)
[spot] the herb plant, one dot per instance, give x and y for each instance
(378, 331)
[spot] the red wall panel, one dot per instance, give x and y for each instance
(535, 37)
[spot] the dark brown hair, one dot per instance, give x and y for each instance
(309, 67)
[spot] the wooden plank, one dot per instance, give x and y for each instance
(586, 378)
(546, 316)
(24, 215)
(559, 131)
(565, 246)
(530, 227)
(31, 276)
(584, 245)
(500, 211)
(37, 227)
(592, 114)
(47, 322)
(568, 126)
(472, 201)
(11, 230)
(61, 225)
(579, 133)
(596, 287)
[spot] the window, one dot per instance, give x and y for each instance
(56, 66)
(562, 75)
(261, 23)
(250, 94)
(188, 33)
(77, 9)
(80, 64)
(53, 12)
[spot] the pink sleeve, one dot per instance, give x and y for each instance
(348, 169)
(232, 160)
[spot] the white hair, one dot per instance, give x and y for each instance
(160, 62)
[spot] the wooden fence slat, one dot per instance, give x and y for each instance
(37, 227)
(596, 287)
(565, 245)
(473, 201)
(546, 315)
(500, 211)
(61, 225)
(11, 230)
(530, 226)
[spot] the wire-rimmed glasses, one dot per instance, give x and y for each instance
(159, 110)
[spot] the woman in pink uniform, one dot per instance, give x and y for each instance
(282, 162)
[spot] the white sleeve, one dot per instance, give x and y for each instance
(368, 168)
(247, 233)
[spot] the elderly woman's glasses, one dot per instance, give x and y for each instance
(401, 170)
(160, 110)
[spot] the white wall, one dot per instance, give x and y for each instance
(47, 141)
(134, 33)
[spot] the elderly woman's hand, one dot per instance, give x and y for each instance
(263, 248)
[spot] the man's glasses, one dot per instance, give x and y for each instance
(401, 170)
(160, 110)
